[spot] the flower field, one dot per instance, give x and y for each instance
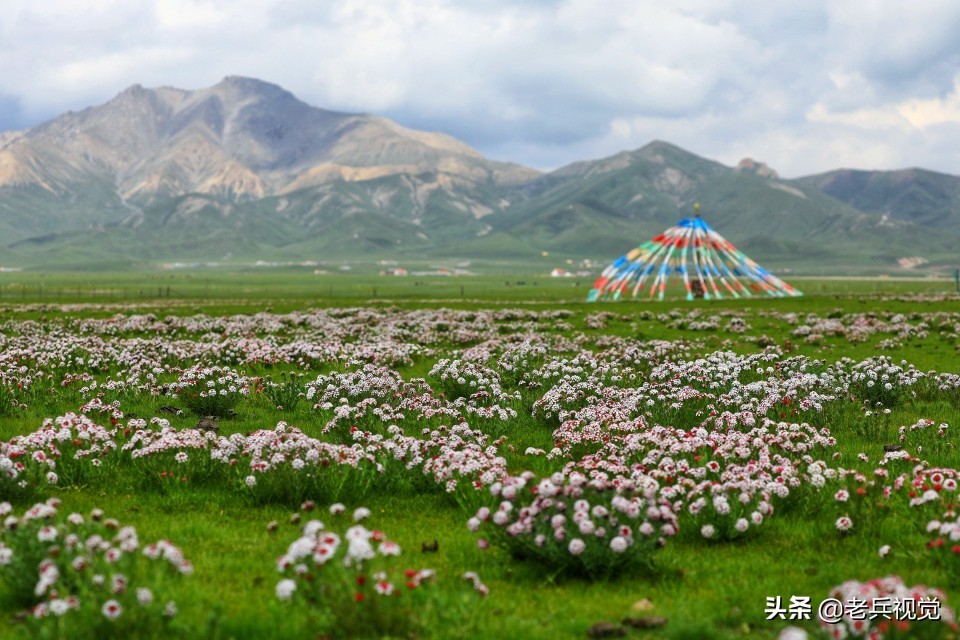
(473, 470)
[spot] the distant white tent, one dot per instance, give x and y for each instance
(709, 266)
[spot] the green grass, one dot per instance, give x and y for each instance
(215, 290)
(705, 590)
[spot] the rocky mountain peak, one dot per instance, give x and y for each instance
(749, 165)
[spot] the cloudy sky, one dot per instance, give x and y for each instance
(804, 85)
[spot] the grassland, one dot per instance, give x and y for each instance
(705, 590)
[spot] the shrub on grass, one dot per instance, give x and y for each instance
(285, 465)
(286, 393)
(9, 403)
(211, 391)
(574, 525)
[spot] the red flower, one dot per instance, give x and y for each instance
(361, 580)
(358, 597)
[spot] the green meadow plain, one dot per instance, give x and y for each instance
(704, 590)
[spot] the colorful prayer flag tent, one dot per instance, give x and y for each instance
(708, 265)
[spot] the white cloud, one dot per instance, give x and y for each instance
(190, 14)
(800, 84)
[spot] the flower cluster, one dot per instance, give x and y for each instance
(577, 525)
(884, 608)
(89, 570)
(356, 577)
(944, 544)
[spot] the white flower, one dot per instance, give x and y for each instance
(547, 489)
(884, 550)
(285, 589)
(361, 513)
(389, 548)
(47, 534)
(118, 583)
(59, 606)
(707, 531)
(587, 527)
(576, 546)
(111, 609)
(793, 633)
(721, 505)
(250, 481)
(618, 544)
(742, 525)
(144, 596)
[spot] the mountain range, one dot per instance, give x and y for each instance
(244, 170)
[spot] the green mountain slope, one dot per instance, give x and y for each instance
(924, 198)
